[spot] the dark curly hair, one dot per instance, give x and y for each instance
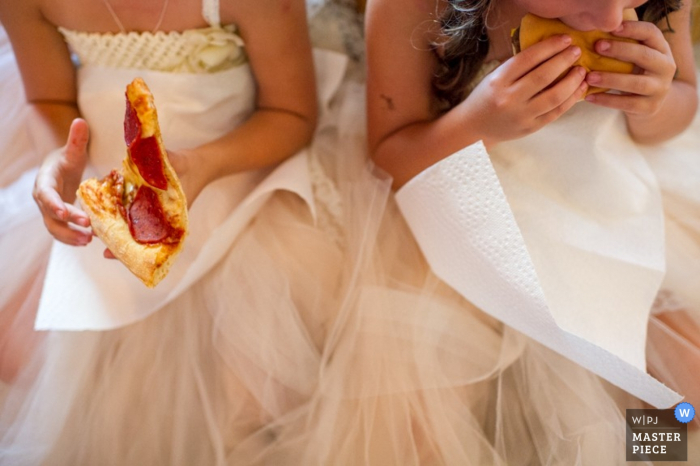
(464, 44)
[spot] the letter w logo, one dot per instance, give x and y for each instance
(684, 412)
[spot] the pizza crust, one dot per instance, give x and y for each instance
(149, 262)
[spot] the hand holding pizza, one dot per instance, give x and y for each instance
(643, 92)
(527, 91)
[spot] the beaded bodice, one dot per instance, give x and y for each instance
(201, 50)
(195, 51)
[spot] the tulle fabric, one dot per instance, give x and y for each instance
(673, 349)
(24, 242)
(192, 381)
(304, 347)
(413, 374)
(327, 342)
(188, 384)
(419, 376)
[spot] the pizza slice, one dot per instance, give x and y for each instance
(140, 211)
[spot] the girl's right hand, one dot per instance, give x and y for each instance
(519, 97)
(56, 184)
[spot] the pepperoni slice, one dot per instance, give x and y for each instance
(145, 154)
(132, 125)
(147, 221)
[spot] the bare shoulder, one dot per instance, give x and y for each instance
(12, 12)
(243, 13)
(267, 20)
(41, 52)
(279, 49)
(405, 13)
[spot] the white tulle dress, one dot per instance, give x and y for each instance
(322, 336)
(587, 243)
(194, 371)
(566, 247)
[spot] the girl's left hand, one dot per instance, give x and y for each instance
(190, 172)
(190, 184)
(643, 93)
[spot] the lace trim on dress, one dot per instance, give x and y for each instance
(329, 206)
(203, 50)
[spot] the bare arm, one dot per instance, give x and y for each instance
(49, 83)
(406, 132)
(405, 136)
(277, 43)
(47, 72)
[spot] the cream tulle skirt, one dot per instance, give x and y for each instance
(673, 349)
(313, 343)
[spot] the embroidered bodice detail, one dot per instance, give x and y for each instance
(203, 50)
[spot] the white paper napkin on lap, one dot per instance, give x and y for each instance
(464, 224)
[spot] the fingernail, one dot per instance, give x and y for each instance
(603, 45)
(83, 222)
(590, 98)
(566, 39)
(619, 28)
(576, 51)
(581, 71)
(593, 78)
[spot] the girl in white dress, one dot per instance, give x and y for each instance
(196, 370)
(554, 226)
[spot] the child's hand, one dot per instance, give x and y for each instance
(190, 185)
(192, 179)
(188, 180)
(518, 98)
(56, 184)
(643, 93)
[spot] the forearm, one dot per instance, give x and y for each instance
(675, 115)
(415, 147)
(49, 123)
(268, 137)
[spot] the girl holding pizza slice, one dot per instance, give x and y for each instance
(256, 352)
(222, 356)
